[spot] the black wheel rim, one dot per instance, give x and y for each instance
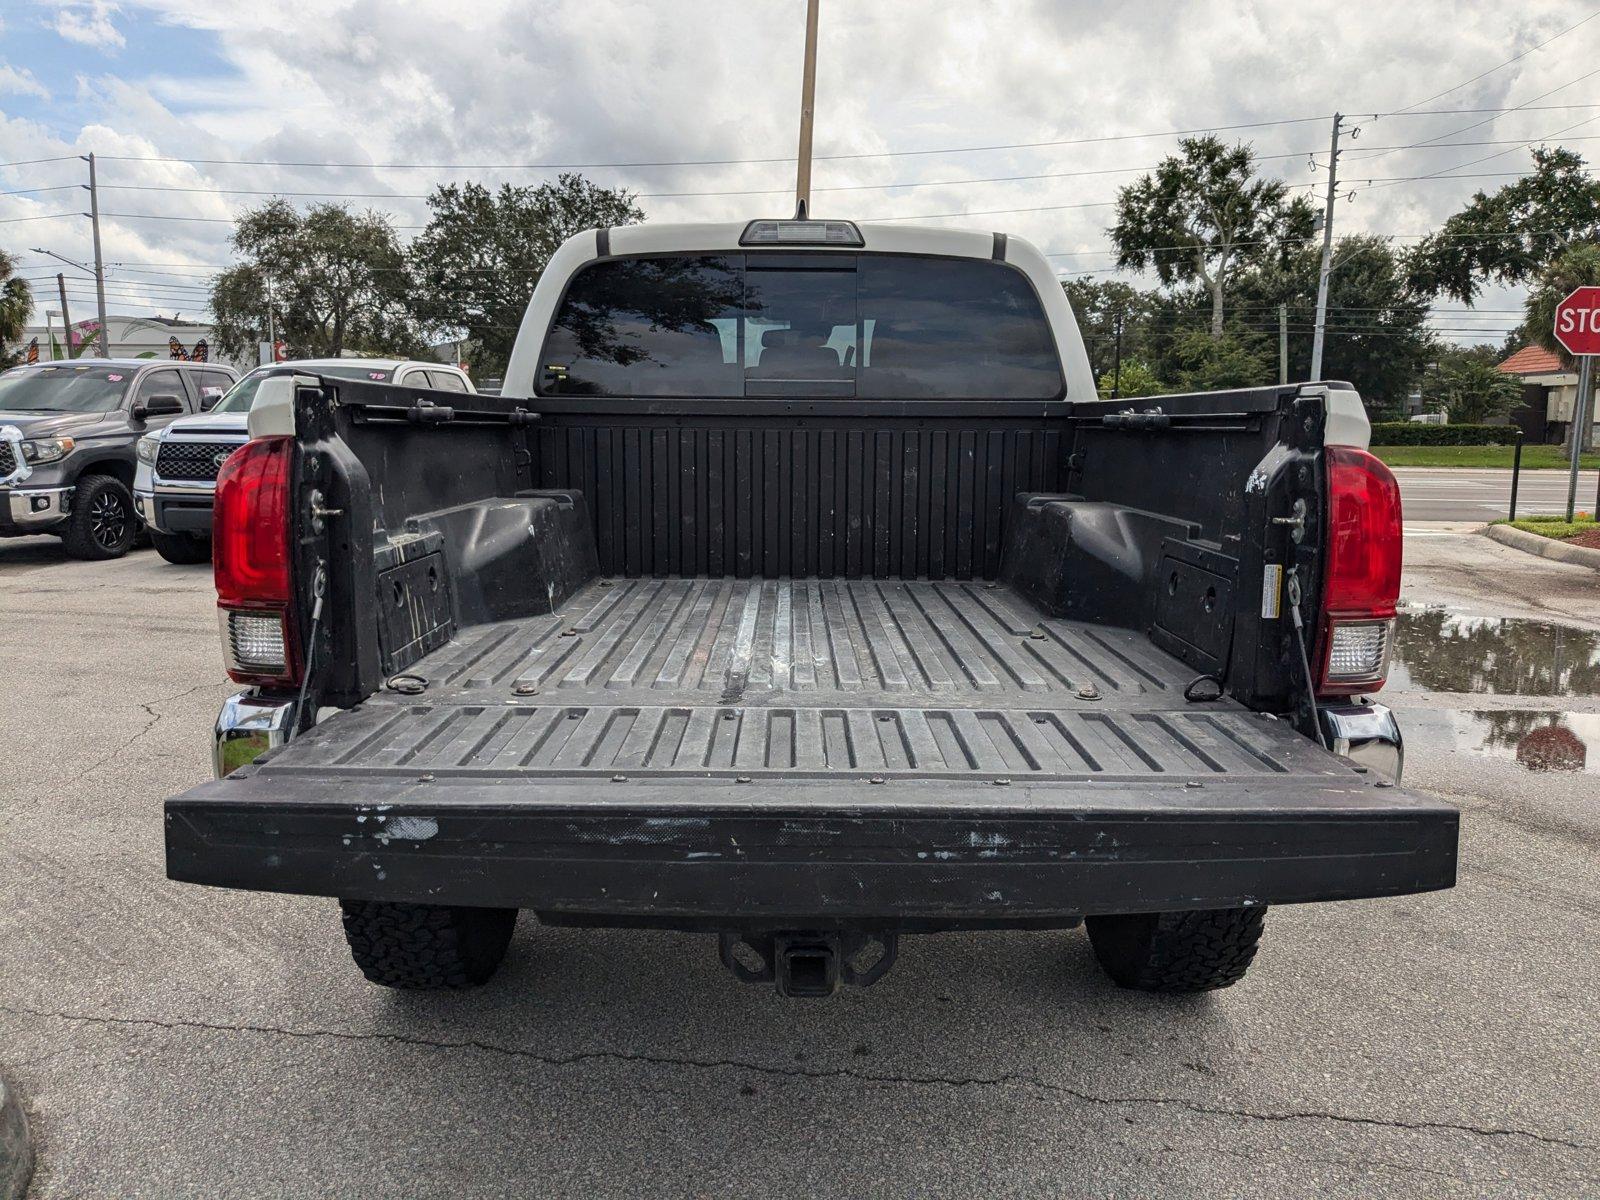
(108, 521)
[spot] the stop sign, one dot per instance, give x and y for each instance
(1578, 321)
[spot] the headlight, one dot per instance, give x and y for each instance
(47, 449)
(146, 450)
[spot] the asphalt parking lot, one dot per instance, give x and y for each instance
(177, 1041)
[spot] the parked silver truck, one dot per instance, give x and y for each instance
(178, 464)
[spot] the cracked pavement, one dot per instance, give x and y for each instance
(180, 1041)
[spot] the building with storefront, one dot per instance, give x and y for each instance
(1549, 391)
(131, 337)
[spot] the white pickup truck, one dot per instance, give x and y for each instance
(800, 590)
(178, 463)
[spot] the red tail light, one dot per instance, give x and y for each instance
(252, 563)
(1363, 577)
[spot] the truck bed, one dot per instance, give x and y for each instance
(802, 679)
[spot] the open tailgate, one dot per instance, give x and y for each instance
(576, 810)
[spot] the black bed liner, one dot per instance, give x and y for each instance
(746, 639)
(803, 679)
(825, 751)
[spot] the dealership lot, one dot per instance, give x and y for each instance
(179, 1041)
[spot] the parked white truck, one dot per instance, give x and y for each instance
(178, 463)
(801, 590)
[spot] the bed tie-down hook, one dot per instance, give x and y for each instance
(320, 513)
(1296, 521)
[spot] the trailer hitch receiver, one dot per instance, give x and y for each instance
(806, 964)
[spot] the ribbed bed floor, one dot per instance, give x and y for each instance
(761, 641)
(689, 677)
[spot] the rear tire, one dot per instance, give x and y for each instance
(182, 548)
(1177, 951)
(426, 946)
(102, 524)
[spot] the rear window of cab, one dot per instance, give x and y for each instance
(875, 327)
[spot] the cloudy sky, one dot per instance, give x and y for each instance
(1009, 114)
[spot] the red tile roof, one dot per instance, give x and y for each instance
(1533, 360)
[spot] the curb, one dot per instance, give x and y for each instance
(16, 1151)
(1544, 547)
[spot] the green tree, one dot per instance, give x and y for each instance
(1577, 266)
(482, 252)
(1135, 379)
(1513, 234)
(1471, 388)
(339, 282)
(1098, 305)
(1377, 332)
(1203, 216)
(1206, 363)
(16, 304)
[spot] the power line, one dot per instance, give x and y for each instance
(853, 187)
(347, 195)
(1526, 107)
(129, 285)
(702, 162)
(1412, 146)
(29, 162)
(1501, 153)
(1467, 112)
(783, 159)
(1472, 237)
(986, 212)
(1493, 69)
(208, 220)
(884, 186)
(137, 285)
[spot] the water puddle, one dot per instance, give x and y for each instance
(1444, 651)
(1537, 740)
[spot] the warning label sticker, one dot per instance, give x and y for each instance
(1272, 592)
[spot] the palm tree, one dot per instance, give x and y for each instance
(16, 304)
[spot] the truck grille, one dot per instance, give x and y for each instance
(8, 460)
(192, 460)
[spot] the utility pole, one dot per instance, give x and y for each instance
(808, 100)
(99, 262)
(66, 332)
(1283, 343)
(1580, 427)
(1327, 254)
(272, 327)
(1116, 362)
(66, 321)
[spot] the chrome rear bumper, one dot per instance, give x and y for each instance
(247, 727)
(1366, 734)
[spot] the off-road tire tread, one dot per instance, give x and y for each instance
(426, 946)
(76, 536)
(1198, 951)
(182, 549)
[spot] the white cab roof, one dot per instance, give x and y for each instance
(723, 237)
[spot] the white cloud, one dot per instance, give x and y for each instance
(517, 81)
(89, 24)
(19, 81)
